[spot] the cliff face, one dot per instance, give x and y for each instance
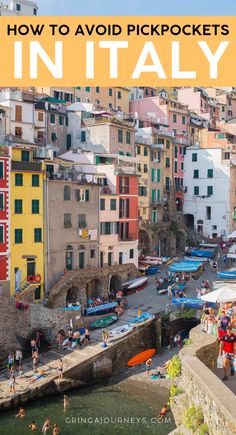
(202, 387)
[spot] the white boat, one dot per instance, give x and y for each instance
(128, 283)
(153, 259)
(119, 332)
(196, 259)
(140, 282)
(151, 262)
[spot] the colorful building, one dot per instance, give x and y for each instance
(143, 151)
(4, 220)
(27, 222)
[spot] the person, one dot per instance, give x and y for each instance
(10, 361)
(215, 266)
(46, 426)
(87, 337)
(70, 337)
(224, 321)
(225, 260)
(33, 346)
(148, 365)
(60, 338)
(139, 311)
(105, 337)
(21, 413)
(228, 350)
(56, 430)
(60, 368)
(18, 358)
(21, 371)
(38, 338)
(35, 358)
(12, 385)
(169, 291)
(66, 402)
(210, 321)
(177, 278)
(33, 426)
(163, 411)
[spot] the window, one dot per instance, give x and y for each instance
(167, 144)
(68, 141)
(18, 132)
(40, 116)
(67, 121)
(110, 92)
(97, 89)
(92, 253)
(68, 97)
(227, 156)
(18, 7)
(18, 113)
(142, 190)
(167, 162)
(1, 171)
(35, 206)
(83, 136)
(167, 183)
(209, 190)
(145, 151)
(61, 120)
(35, 180)
(138, 150)
(145, 168)
(78, 88)
(208, 213)
(86, 195)
(102, 204)
(67, 193)
(18, 206)
(175, 167)
(194, 157)
(110, 258)
(128, 137)
(223, 108)
(131, 253)
(53, 137)
(120, 257)
(174, 118)
(52, 118)
(82, 221)
(113, 204)
(18, 236)
(182, 166)
(25, 156)
(1, 201)
(120, 136)
(209, 173)
(87, 88)
(1, 234)
(18, 179)
(196, 173)
(67, 220)
(183, 120)
(176, 152)
(196, 190)
(38, 235)
(119, 96)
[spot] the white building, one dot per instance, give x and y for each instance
(19, 7)
(209, 182)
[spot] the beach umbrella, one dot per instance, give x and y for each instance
(223, 294)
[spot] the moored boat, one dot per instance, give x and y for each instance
(138, 283)
(101, 309)
(192, 259)
(119, 332)
(202, 253)
(227, 275)
(141, 320)
(152, 270)
(103, 323)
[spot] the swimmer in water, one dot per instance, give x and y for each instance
(164, 410)
(66, 402)
(21, 413)
(46, 426)
(33, 426)
(56, 430)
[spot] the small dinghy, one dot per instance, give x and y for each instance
(119, 332)
(152, 270)
(227, 275)
(137, 283)
(100, 309)
(103, 323)
(141, 320)
(141, 357)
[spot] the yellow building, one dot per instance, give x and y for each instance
(143, 157)
(27, 222)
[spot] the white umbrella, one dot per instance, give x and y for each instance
(223, 294)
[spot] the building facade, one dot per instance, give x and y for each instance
(5, 220)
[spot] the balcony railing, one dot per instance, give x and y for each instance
(26, 166)
(128, 237)
(157, 201)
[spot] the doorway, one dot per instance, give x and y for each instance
(81, 260)
(31, 267)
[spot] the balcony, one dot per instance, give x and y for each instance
(128, 237)
(181, 141)
(26, 166)
(158, 201)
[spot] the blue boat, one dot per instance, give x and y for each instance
(188, 302)
(152, 270)
(227, 275)
(184, 266)
(75, 308)
(101, 309)
(141, 320)
(202, 253)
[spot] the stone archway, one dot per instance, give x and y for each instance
(189, 221)
(115, 283)
(94, 288)
(145, 241)
(73, 295)
(180, 241)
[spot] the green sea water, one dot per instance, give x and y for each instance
(109, 409)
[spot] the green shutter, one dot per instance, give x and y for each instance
(158, 175)
(158, 194)
(35, 206)
(78, 197)
(153, 195)
(153, 174)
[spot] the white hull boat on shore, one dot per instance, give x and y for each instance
(138, 283)
(119, 332)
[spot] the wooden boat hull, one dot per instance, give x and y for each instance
(103, 323)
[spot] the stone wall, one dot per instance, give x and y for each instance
(202, 387)
(82, 281)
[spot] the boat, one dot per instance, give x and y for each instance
(141, 357)
(138, 283)
(152, 270)
(227, 275)
(126, 284)
(202, 253)
(184, 267)
(73, 308)
(101, 309)
(188, 302)
(141, 320)
(165, 260)
(153, 260)
(119, 332)
(191, 259)
(162, 291)
(143, 268)
(103, 323)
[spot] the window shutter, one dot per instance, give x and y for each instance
(78, 197)
(153, 174)
(86, 195)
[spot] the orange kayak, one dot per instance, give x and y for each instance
(141, 357)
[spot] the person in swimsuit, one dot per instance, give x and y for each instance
(70, 337)
(56, 430)
(12, 384)
(21, 413)
(66, 402)
(60, 369)
(87, 336)
(33, 426)
(46, 426)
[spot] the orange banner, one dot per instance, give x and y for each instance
(123, 51)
